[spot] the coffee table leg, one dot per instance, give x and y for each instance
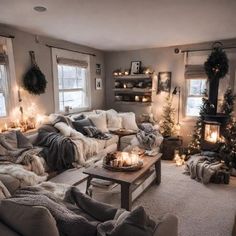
(88, 184)
(158, 171)
(126, 198)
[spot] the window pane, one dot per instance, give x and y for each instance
(193, 106)
(197, 87)
(71, 77)
(3, 111)
(75, 99)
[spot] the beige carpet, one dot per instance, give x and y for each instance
(202, 210)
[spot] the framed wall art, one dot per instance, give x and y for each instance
(98, 83)
(135, 67)
(164, 82)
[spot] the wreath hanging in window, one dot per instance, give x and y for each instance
(217, 64)
(34, 80)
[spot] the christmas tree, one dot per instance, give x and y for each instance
(167, 124)
(195, 144)
(228, 104)
(228, 148)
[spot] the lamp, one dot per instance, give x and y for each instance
(177, 91)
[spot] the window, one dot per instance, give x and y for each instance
(195, 92)
(72, 87)
(3, 90)
(71, 81)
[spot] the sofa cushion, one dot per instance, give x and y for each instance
(100, 121)
(128, 120)
(6, 231)
(80, 124)
(27, 220)
(64, 128)
(113, 120)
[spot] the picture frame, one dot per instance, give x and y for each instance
(98, 83)
(135, 67)
(164, 82)
(98, 69)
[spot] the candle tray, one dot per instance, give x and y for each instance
(126, 168)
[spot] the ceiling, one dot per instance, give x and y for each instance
(124, 24)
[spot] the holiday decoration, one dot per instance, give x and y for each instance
(195, 144)
(34, 80)
(228, 148)
(216, 66)
(228, 144)
(167, 124)
(228, 104)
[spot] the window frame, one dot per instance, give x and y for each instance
(11, 84)
(187, 88)
(75, 56)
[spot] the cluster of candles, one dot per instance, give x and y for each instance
(142, 98)
(24, 124)
(125, 159)
(179, 159)
(147, 71)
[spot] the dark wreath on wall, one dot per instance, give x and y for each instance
(34, 80)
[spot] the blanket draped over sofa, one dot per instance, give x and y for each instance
(58, 151)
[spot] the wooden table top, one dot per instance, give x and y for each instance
(123, 132)
(123, 177)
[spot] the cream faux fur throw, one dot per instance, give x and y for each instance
(26, 177)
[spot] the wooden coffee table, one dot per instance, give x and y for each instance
(129, 181)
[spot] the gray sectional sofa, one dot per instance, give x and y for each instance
(168, 225)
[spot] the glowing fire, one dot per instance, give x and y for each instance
(213, 137)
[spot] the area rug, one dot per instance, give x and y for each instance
(202, 210)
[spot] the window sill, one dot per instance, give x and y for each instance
(75, 110)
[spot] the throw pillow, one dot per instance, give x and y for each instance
(79, 125)
(9, 140)
(113, 120)
(78, 117)
(28, 220)
(100, 121)
(22, 141)
(56, 118)
(128, 120)
(135, 223)
(48, 128)
(98, 210)
(63, 128)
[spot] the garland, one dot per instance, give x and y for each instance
(34, 81)
(217, 65)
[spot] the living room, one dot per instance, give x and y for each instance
(127, 103)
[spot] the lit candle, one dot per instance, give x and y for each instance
(125, 86)
(136, 98)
